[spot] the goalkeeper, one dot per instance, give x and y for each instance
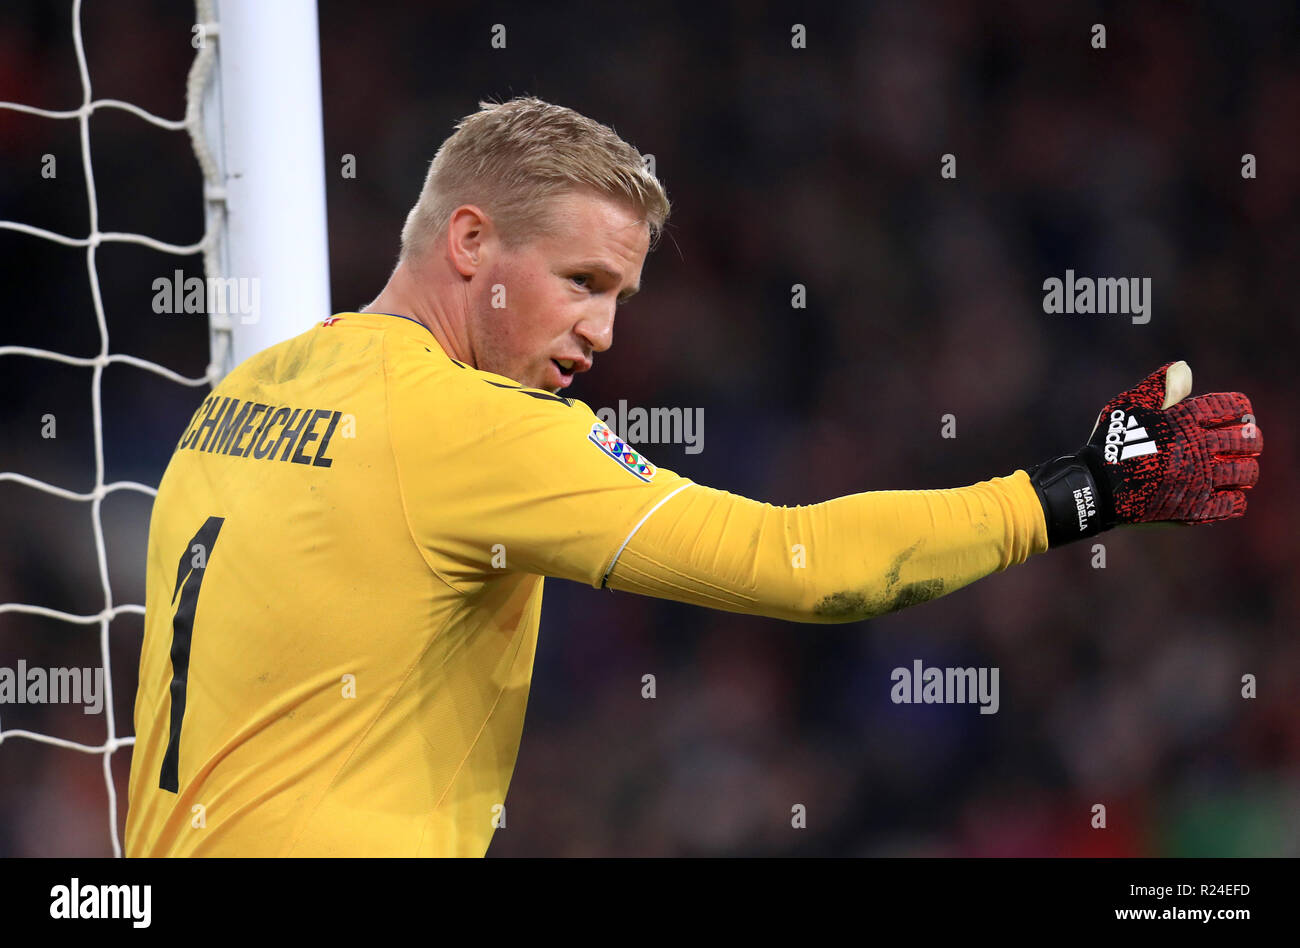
(347, 550)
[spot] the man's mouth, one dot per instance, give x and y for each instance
(563, 371)
(566, 368)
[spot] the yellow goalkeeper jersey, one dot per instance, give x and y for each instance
(343, 593)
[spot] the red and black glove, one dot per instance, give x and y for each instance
(1154, 454)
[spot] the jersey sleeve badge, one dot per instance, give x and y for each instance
(618, 449)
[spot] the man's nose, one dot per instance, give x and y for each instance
(598, 330)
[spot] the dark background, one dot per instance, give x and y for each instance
(817, 166)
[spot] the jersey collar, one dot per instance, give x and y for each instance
(396, 322)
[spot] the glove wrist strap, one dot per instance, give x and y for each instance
(1073, 504)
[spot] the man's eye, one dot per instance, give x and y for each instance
(581, 279)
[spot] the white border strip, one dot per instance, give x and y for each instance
(639, 523)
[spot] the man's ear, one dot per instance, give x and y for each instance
(468, 230)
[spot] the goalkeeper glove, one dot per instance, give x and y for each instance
(1154, 454)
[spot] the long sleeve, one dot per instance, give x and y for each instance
(847, 559)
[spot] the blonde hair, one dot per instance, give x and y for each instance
(511, 158)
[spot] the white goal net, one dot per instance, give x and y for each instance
(238, 132)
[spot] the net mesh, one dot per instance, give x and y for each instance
(200, 77)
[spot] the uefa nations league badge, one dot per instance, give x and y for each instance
(605, 439)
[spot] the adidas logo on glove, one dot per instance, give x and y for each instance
(1132, 437)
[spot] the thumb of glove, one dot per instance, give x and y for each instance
(1166, 386)
(1178, 383)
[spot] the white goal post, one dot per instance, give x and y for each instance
(253, 114)
(266, 205)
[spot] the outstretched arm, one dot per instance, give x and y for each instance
(1154, 455)
(846, 559)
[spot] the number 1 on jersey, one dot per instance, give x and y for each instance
(190, 571)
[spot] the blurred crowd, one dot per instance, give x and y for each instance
(816, 165)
